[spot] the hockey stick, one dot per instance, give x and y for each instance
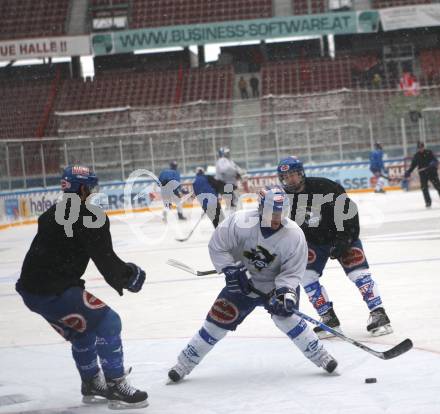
(193, 229)
(394, 352)
(397, 350)
(186, 268)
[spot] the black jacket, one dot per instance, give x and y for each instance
(56, 262)
(422, 160)
(319, 225)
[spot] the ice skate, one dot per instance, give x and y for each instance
(121, 395)
(379, 323)
(178, 372)
(94, 391)
(324, 360)
(181, 216)
(330, 319)
(380, 191)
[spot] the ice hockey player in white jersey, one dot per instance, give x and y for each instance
(228, 172)
(261, 249)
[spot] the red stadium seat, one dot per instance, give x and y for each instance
(29, 18)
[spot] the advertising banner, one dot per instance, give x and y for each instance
(407, 17)
(235, 31)
(45, 47)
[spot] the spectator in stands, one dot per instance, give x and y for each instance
(242, 85)
(376, 82)
(408, 84)
(254, 82)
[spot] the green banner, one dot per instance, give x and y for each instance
(236, 31)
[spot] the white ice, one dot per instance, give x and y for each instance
(255, 369)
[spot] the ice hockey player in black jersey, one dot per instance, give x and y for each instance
(330, 222)
(69, 234)
(427, 164)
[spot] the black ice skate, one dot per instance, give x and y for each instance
(379, 323)
(330, 319)
(178, 372)
(94, 391)
(324, 360)
(122, 395)
(181, 216)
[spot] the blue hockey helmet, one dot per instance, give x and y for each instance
(224, 152)
(273, 201)
(287, 166)
(76, 175)
(173, 165)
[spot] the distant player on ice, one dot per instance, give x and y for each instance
(51, 285)
(229, 173)
(427, 165)
(325, 240)
(171, 190)
(377, 167)
(206, 189)
(266, 249)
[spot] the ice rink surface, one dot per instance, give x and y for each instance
(255, 369)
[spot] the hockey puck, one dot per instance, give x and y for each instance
(370, 380)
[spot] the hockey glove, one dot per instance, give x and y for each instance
(433, 164)
(236, 279)
(407, 174)
(136, 279)
(340, 247)
(283, 302)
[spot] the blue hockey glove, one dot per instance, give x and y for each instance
(136, 279)
(236, 279)
(339, 248)
(283, 302)
(407, 174)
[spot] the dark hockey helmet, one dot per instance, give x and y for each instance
(287, 166)
(273, 201)
(76, 175)
(173, 165)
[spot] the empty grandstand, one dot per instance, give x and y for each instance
(325, 97)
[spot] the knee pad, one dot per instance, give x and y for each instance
(310, 276)
(212, 333)
(110, 325)
(358, 274)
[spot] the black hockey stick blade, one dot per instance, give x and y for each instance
(186, 268)
(399, 349)
(394, 352)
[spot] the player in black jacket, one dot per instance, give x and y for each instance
(330, 222)
(69, 234)
(427, 165)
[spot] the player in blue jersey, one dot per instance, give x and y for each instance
(171, 190)
(207, 190)
(51, 285)
(377, 167)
